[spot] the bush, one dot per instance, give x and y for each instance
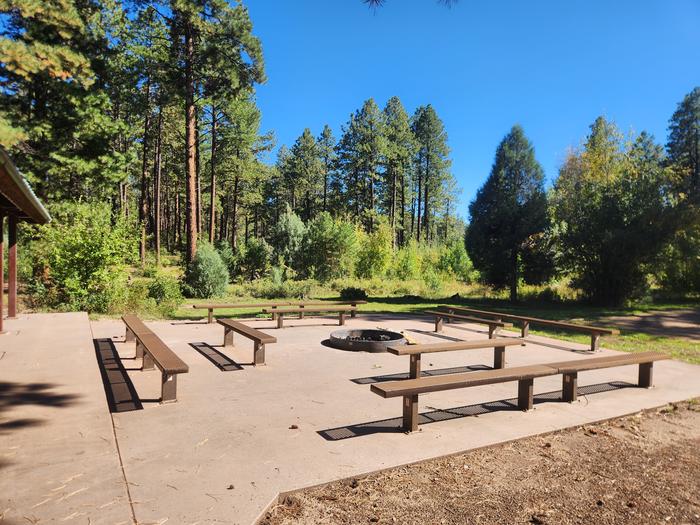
(287, 238)
(455, 261)
(329, 248)
(407, 262)
(78, 261)
(206, 276)
(166, 293)
(255, 259)
(353, 294)
(375, 252)
(228, 257)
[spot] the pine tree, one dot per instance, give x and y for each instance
(306, 169)
(326, 152)
(55, 115)
(508, 211)
(400, 149)
(431, 165)
(684, 144)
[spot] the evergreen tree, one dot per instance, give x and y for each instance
(399, 152)
(613, 213)
(307, 172)
(431, 167)
(508, 211)
(55, 115)
(326, 151)
(684, 144)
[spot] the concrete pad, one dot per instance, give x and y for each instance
(58, 455)
(224, 451)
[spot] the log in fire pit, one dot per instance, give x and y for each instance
(365, 340)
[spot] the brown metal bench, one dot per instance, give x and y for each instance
(154, 352)
(341, 310)
(416, 351)
(493, 324)
(410, 389)
(260, 339)
(594, 331)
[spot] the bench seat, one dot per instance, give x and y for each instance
(410, 389)
(341, 310)
(493, 324)
(153, 352)
(415, 351)
(260, 339)
(594, 331)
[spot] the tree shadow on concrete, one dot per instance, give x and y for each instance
(119, 390)
(394, 425)
(14, 395)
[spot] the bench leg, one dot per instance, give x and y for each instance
(438, 324)
(228, 338)
(129, 337)
(595, 342)
(493, 331)
(414, 370)
(646, 375)
(210, 315)
(280, 320)
(569, 387)
(258, 353)
(147, 363)
(410, 413)
(274, 316)
(139, 349)
(525, 330)
(341, 318)
(499, 357)
(168, 392)
(353, 313)
(301, 312)
(525, 388)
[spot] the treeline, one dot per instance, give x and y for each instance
(622, 217)
(150, 106)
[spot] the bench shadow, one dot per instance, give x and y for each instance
(218, 359)
(394, 425)
(193, 321)
(120, 391)
(425, 373)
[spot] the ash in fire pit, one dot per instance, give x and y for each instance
(365, 340)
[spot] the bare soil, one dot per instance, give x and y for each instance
(634, 470)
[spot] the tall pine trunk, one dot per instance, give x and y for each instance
(190, 144)
(212, 193)
(143, 206)
(426, 226)
(156, 189)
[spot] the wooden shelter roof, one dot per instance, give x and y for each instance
(16, 196)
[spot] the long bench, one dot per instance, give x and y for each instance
(410, 389)
(494, 324)
(260, 339)
(416, 351)
(210, 307)
(594, 331)
(341, 310)
(154, 352)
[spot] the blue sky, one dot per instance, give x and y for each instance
(551, 66)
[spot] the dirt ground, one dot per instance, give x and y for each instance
(639, 469)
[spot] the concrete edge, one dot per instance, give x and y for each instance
(282, 495)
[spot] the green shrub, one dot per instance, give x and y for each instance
(78, 261)
(255, 259)
(455, 261)
(351, 293)
(206, 276)
(287, 238)
(407, 262)
(432, 281)
(329, 248)
(375, 252)
(228, 257)
(165, 291)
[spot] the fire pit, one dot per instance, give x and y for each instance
(365, 340)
